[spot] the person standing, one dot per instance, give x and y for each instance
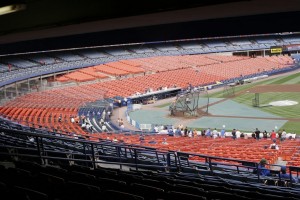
(195, 133)
(190, 133)
(208, 133)
(156, 129)
(178, 132)
(283, 135)
(222, 133)
(185, 131)
(203, 132)
(265, 135)
(279, 134)
(233, 133)
(238, 133)
(257, 134)
(273, 135)
(215, 133)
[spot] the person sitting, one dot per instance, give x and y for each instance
(286, 176)
(142, 138)
(104, 128)
(115, 139)
(263, 171)
(31, 139)
(274, 145)
(152, 141)
(101, 121)
(165, 141)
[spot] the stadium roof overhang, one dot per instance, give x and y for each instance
(162, 19)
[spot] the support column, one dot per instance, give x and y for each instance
(5, 95)
(16, 85)
(28, 83)
(41, 83)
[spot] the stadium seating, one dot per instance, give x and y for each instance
(19, 62)
(66, 162)
(51, 174)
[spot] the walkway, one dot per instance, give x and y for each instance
(120, 113)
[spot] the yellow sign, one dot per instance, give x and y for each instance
(276, 50)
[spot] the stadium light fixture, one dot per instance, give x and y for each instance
(10, 8)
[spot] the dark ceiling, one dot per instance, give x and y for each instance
(95, 22)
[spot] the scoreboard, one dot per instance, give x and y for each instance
(276, 49)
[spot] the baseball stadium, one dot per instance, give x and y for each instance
(112, 113)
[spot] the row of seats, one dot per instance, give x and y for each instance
(243, 149)
(31, 180)
(215, 68)
(221, 178)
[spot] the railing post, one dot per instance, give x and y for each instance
(135, 159)
(38, 147)
(119, 155)
(157, 157)
(258, 173)
(168, 161)
(210, 165)
(93, 156)
(179, 162)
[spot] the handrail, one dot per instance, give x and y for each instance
(165, 160)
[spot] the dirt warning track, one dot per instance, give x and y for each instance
(275, 88)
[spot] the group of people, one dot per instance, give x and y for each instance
(264, 171)
(101, 117)
(121, 123)
(281, 134)
(180, 130)
(189, 132)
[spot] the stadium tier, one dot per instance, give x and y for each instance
(61, 126)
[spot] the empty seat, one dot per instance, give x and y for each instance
(113, 195)
(26, 193)
(180, 195)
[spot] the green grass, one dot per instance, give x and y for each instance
(278, 80)
(266, 98)
(286, 79)
(292, 127)
(246, 86)
(284, 111)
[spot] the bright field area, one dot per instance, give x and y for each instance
(293, 112)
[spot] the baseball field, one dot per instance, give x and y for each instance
(277, 107)
(285, 89)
